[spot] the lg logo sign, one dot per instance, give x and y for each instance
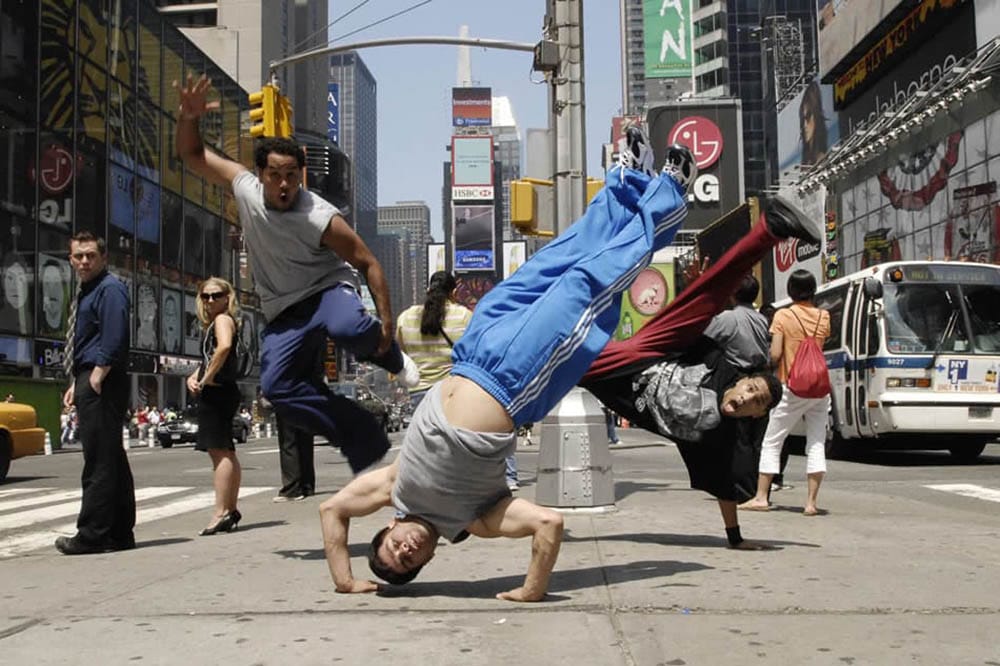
(704, 138)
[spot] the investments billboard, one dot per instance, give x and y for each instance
(471, 161)
(667, 38)
(471, 107)
(713, 132)
(333, 112)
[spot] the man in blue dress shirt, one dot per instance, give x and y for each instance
(97, 365)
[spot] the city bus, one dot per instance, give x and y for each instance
(914, 357)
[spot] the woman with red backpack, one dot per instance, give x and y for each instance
(797, 336)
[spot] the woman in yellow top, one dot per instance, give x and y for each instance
(789, 328)
(427, 333)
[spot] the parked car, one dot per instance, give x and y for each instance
(19, 434)
(185, 429)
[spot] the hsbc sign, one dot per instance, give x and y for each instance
(472, 192)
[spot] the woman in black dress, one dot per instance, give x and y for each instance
(215, 384)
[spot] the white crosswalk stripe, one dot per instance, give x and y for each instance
(968, 490)
(67, 503)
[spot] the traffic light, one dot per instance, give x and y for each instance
(285, 124)
(522, 206)
(263, 112)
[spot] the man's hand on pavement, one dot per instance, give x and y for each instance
(359, 587)
(520, 594)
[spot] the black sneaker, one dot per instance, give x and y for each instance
(75, 546)
(786, 220)
(681, 166)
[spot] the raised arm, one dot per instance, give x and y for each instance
(517, 518)
(366, 494)
(348, 245)
(190, 148)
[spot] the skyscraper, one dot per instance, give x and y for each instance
(507, 151)
(733, 46)
(413, 218)
(359, 136)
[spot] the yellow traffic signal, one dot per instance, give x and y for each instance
(285, 124)
(263, 115)
(522, 206)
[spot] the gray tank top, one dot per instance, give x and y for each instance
(287, 258)
(449, 476)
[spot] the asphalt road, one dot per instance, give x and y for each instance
(902, 568)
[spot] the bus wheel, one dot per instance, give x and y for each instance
(967, 452)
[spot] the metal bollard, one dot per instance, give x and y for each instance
(125, 442)
(48, 443)
(152, 438)
(256, 431)
(574, 462)
(268, 430)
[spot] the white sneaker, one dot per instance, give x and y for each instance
(409, 376)
(635, 152)
(512, 486)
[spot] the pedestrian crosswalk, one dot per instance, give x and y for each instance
(968, 490)
(29, 516)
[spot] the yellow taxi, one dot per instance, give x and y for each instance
(19, 434)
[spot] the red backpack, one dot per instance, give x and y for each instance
(808, 377)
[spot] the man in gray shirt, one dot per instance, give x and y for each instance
(742, 332)
(301, 254)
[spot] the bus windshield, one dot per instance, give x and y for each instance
(936, 318)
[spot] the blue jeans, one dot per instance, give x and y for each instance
(291, 377)
(511, 463)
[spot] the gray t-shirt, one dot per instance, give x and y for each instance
(743, 336)
(288, 261)
(449, 476)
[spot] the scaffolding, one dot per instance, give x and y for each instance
(787, 54)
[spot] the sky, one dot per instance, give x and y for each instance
(414, 82)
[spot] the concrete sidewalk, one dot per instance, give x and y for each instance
(884, 579)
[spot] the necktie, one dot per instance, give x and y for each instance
(71, 332)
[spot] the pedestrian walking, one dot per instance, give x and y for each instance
(790, 327)
(302, 251)
(97, 361)
(214, 385)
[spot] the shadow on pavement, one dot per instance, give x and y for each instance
(355, 549)
(914, 458)
(691, 540)
(153, 543)
(24, 479)
(561, 581)
(625, 488)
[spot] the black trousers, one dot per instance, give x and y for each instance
(107, 514)
(295, 455)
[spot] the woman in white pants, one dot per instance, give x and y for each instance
(789, 327)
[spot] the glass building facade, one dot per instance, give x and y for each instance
(87, 122)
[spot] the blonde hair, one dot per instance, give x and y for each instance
(234, 307)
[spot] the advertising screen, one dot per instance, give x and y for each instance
(471, 161)
(333, 112)
(667, 38)
(473, 238)
(807, 127)
(471, 107)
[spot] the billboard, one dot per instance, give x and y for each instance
(473, 237)
(333, 112)
(471, 107)
(713, 132)
(807, 127)
(667, 38)
(842, 24)
(793, 254)
(921, 69)
(435, 260)
(471, 161)
(936, 200)
(922, 27)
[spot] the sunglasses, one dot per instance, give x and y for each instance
(212, 295)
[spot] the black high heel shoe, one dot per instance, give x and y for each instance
(227, 523)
